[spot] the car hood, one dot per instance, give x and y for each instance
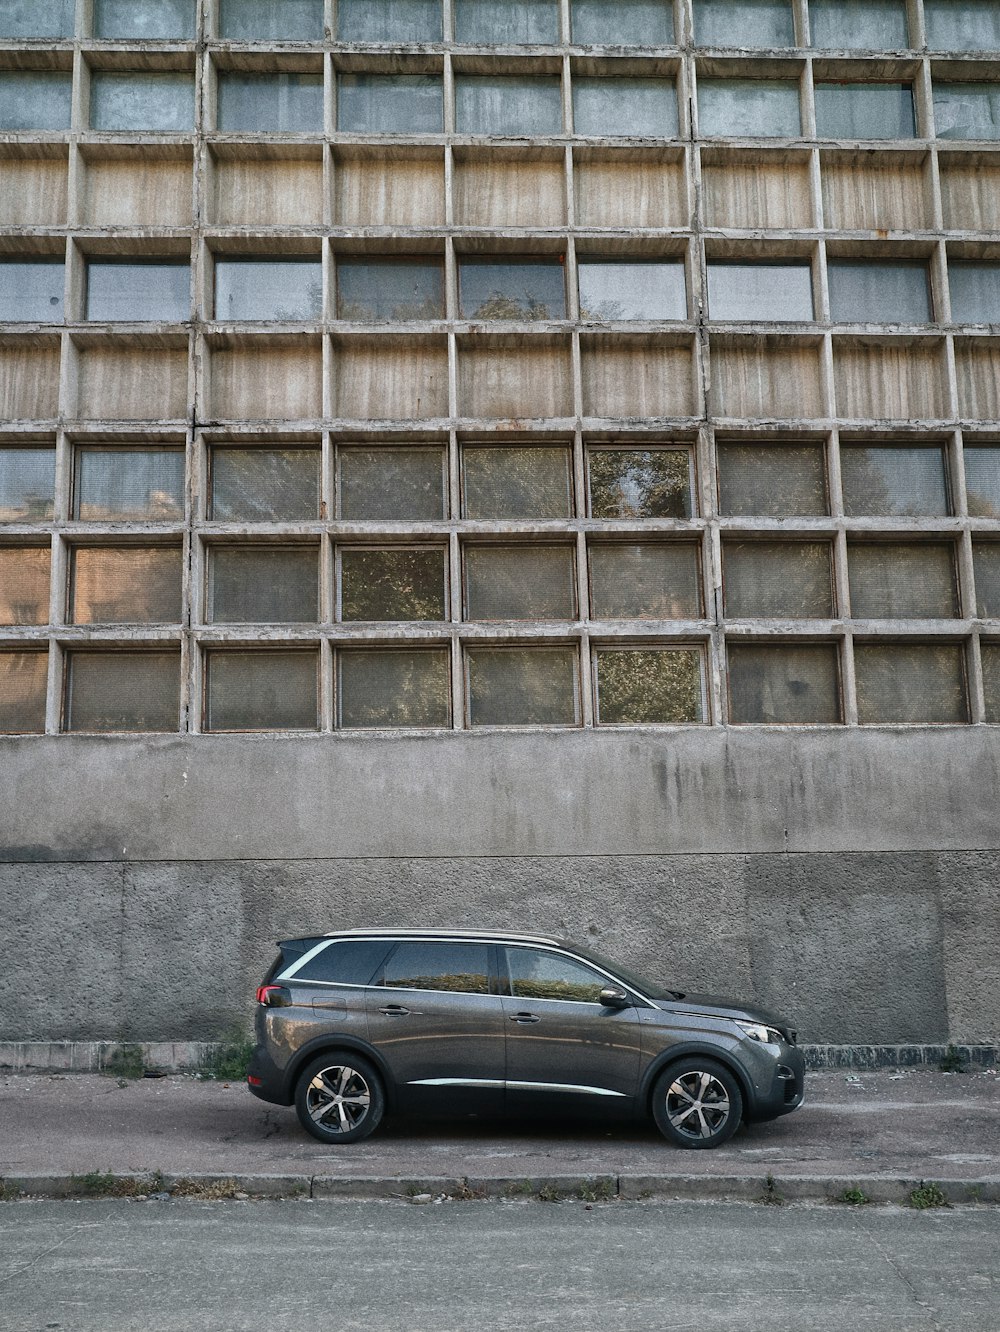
(716, 1005)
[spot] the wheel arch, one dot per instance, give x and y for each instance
(688, 1050)
(330, 1044)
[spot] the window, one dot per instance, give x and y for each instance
(27, 485)
(24, 584)
(622, 22)
(387, 482)
(897, 482)
(912, 581)
(865, 111)
(461, 968)
(873, 25)
(392, 21)
(640, 483)
(270, 103)
(520, 583)
(125, 585)
(265, 485)
(962, 25)
(749, 108)
(143, 101)
(272, 20)
(772, 481)
(863, 292)
(27, 18)
(991, 680)
(31, 291)
(796, 685)
(904, 682)
(139, 19)
(273, 289)
(122, 691)
(779, 580)
(529, 482)
(649, 686)
(123, 484)
(262, 584)
(536, 973)
(507, 105)
(645, 581)
(506, 22)
(395, 687)
(397, 583)
(743, 23)
(631, 108)
(982, 482)
(760, 292)
(23, 683)
(631, 289)
(975, 292)
(264, 690)
(35, 100)
(986, 564)
(138, 291)
(345, 961)
(523, 686)
(390, 104)
(512, 289)
(967, 110)
(395, 289)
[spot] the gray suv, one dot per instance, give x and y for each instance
(359, 1023)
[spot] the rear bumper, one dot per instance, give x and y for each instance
(265, 1080)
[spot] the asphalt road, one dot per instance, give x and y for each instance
(454, 1267)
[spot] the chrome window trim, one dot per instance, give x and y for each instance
(584, 962)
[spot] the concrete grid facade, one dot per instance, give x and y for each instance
(554, 441)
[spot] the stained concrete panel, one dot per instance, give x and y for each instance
(969, 887)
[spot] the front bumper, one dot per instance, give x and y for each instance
(785, 1091)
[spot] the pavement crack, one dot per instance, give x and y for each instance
(904, 1278)
(25, 1267)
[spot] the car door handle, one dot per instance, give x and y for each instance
(525, 1017)
(394, 1010)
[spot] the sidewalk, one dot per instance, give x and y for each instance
(882, 1132)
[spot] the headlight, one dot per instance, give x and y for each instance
(758, 1032)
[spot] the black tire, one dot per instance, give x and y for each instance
(339, 1098)
(697, 1103)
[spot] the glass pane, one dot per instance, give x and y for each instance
(986, 563)
(122, 691)
(908, 582)
(392, 584)
(784, 684)
(129, 483)
(991, 680)
(394, 688)
(982, 482)
(454, 967)
(24, 584)
(125, 586)
(265, 485)
(391, 483)
(394, 21)
(283, 290)
(634, 108)
(27, 485)
(748, 108)
(520, 583)
(23, 681)
(344, 962)
(919, 683)
(368, 292)
(141, 101)
(271, 103)
(896, 482)
(744, 23)
(535, 974)
(272, 20)
(975, 292)
(772, 481)
(516, 483)
(172, 19)
(122, 291)
(637, 687)
(779, 580)
(27, 18)
(865, 292)
(506, 22)
(31, 291)
(864, 111)
(962, 25)
(523, 687)
(872, 25)
(622, 22)
(507, 105)
(35, 100)
(263, 584)
(390, 104)
(260, 691)
(645, 582)
(512, 289)
(967, 110)
(640, 483)
(760, 291)
(631, 289)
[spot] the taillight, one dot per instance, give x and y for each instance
(273, 996)
(254, 1081)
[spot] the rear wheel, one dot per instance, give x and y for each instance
(697, 1103)
(339, 1098)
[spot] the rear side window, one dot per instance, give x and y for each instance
(458, 967)
(345, 962)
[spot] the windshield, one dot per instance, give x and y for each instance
(652, 989)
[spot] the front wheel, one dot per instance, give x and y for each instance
(339, 1098)
(697, 1103)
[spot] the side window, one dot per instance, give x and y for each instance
(345, 962)
(536, 974)
(459, 967)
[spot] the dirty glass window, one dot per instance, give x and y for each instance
(343, 962)
(31, 291)
(898, 482)
(744, 23)
(991, 681)
(777, 580)
(24, 584)
(272, 20)
(631, 289)
(982, 482)
(273, 289)
(138, 291)
(866, 291)
(962, 25)
(270, 103)
(640, 483)
(118, 484)
(506, 22)
(902, 682)
(393, 21)
(631, 108)
(788, 684)
(261, 691)
(749, 108)
(507, 105)
(149, 19)
(622, 22)
(512, 289)
(122, 691)
(263, 585)
(125, 585)
(536, 973)
(772, 481)
(23, 682)
(645, 581)
(975, 292)
(865, 111)
(396, 583)
(265, 485)
(393, 687)
(35, 99)
(756, 292)
(528, 482)
(649, 686)
(141, 101)
(986, 564)
(912, 581)
(967, 110)
(520, 583)
(523, 686)
(461, 968)
(861, 25)
(387, 482)
(27, 485)
(28, 18)
(390, 103)
(370, 291)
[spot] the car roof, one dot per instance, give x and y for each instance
(407, 932)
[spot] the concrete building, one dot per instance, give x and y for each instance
(523, 462)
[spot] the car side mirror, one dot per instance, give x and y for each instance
(612, 997)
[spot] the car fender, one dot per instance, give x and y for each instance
(332, 1041)
(687, 1048)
